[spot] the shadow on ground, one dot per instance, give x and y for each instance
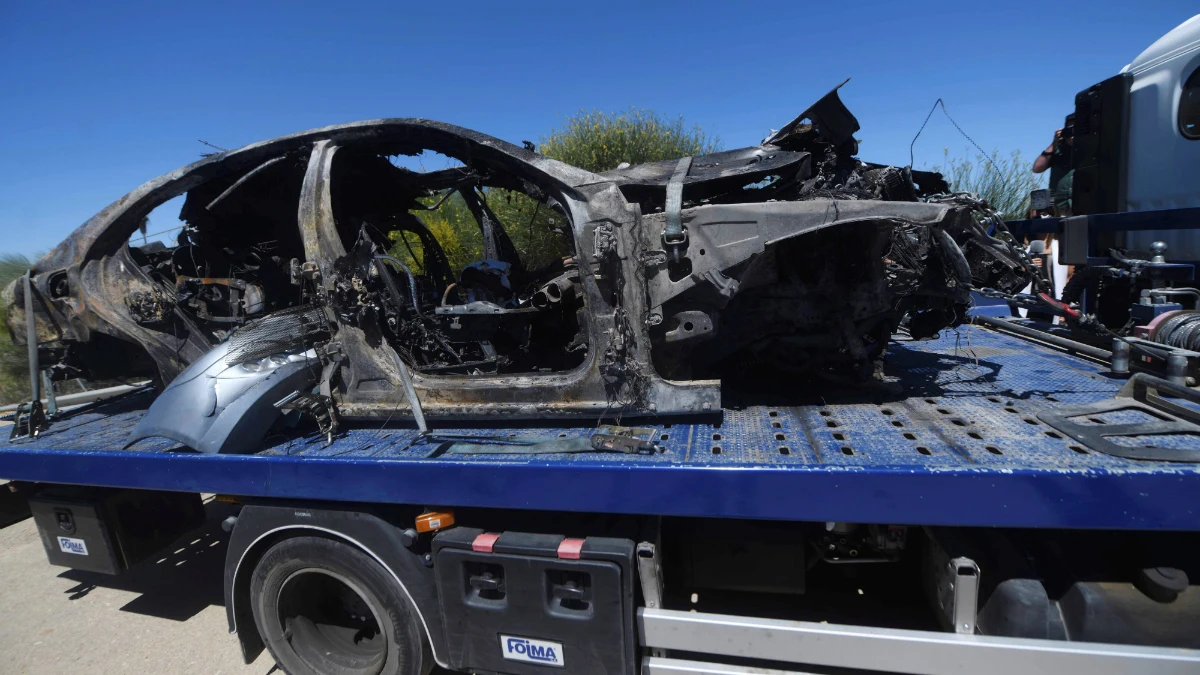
(179, 581)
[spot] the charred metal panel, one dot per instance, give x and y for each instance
(828, 118)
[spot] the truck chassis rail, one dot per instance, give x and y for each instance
(886, 650)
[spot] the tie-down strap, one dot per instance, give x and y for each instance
(675, 240)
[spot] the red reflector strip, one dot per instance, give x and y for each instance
(484, 542)
(569, 549)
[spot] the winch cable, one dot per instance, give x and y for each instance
(1181, 331)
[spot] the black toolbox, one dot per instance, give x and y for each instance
(536, 603)
(108, 531)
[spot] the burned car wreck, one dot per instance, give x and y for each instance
(307, 278)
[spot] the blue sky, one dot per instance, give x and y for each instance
(98, 100)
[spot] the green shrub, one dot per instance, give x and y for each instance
(599, 141)
(1005, 182)
(595, 141)
(14, 359)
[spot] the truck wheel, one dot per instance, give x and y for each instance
(326, 608)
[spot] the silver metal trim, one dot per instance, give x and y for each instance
(48, 390)
(31, 340)
(68, 400)
(656, 665)
(237, 568)
(650, 574)
(899, 651)
(964, 584)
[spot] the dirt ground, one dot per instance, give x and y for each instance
(166, 615)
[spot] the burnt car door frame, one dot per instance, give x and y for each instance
(616, 377)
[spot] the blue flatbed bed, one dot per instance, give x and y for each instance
(960, 446)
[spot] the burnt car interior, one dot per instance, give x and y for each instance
(496, 313)
(509, 284)
(232, 262)
(241, 254)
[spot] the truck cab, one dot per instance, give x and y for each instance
(1137, 140)
(1164, 122)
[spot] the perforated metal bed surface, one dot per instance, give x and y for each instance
(968, 408)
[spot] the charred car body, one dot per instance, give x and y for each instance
(788, 257)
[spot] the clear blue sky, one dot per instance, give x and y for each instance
(98, 100)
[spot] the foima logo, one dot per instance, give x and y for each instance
(70, 545)
(532, 651)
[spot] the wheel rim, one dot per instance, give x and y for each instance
(330, 624)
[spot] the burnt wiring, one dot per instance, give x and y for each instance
(450, 193)
(956, 126)
(214, 147)
(412, 282)
(403, 237)
(981, 209)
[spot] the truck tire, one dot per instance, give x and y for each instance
(326, 608)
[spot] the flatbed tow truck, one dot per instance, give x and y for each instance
(522, 563)
(997, 509)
